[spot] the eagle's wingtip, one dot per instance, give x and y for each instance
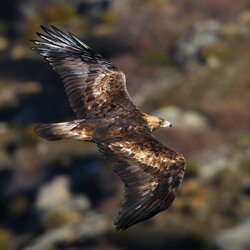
(119, 227)
(56, 30)
(43, 27)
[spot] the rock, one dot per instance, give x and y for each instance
(194, 120)
(240, 29)
(3, 127)
(201, 35)
(79, 202)
(56, 194)
(215, 160)
(91, 226)
(10, 92)
(211, 162)
(58, 205)
(61, 217)
(229, 29)
(236, 238)
(177, 117)
(27, 165)
(28, 88)
(3, 43)
(243, 31)
(214, 55)
(171, 113)
(245, 17)
(8, 97)
(53, 194)
(213, 62)
(19, 52)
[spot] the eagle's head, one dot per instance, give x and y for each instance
(165, 124)
(154, 122)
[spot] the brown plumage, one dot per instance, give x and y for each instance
(106, 116)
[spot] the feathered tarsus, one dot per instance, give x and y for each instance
(97, 93)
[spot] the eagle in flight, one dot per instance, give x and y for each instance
(96, 90)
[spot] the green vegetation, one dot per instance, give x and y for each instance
(157, 58)
(192, 169)
(4, 240)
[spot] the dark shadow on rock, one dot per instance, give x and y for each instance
(49, 105)
(84, 174)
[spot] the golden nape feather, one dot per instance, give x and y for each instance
(96, 89)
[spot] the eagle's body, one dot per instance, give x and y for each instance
(106, 116)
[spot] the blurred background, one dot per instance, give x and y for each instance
(186, 61)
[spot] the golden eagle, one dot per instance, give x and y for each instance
(106, 116)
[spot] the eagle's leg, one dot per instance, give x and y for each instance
(65, 130)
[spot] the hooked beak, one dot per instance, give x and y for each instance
(166, 124)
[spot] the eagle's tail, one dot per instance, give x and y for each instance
(63, 130)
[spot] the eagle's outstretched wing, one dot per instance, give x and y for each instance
(93, 85)
(151, 173)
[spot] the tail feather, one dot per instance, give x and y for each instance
(63, 130)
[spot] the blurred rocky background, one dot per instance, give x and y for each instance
(187, 61)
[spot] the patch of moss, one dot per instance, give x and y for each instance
(19, 205)
(217, 51)
(157, 58)
(192, 169)
(59, 218)
(29, 136)
(109, 17)
(243, 140)
(4, 240)
(244, 164)
(57, 12)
